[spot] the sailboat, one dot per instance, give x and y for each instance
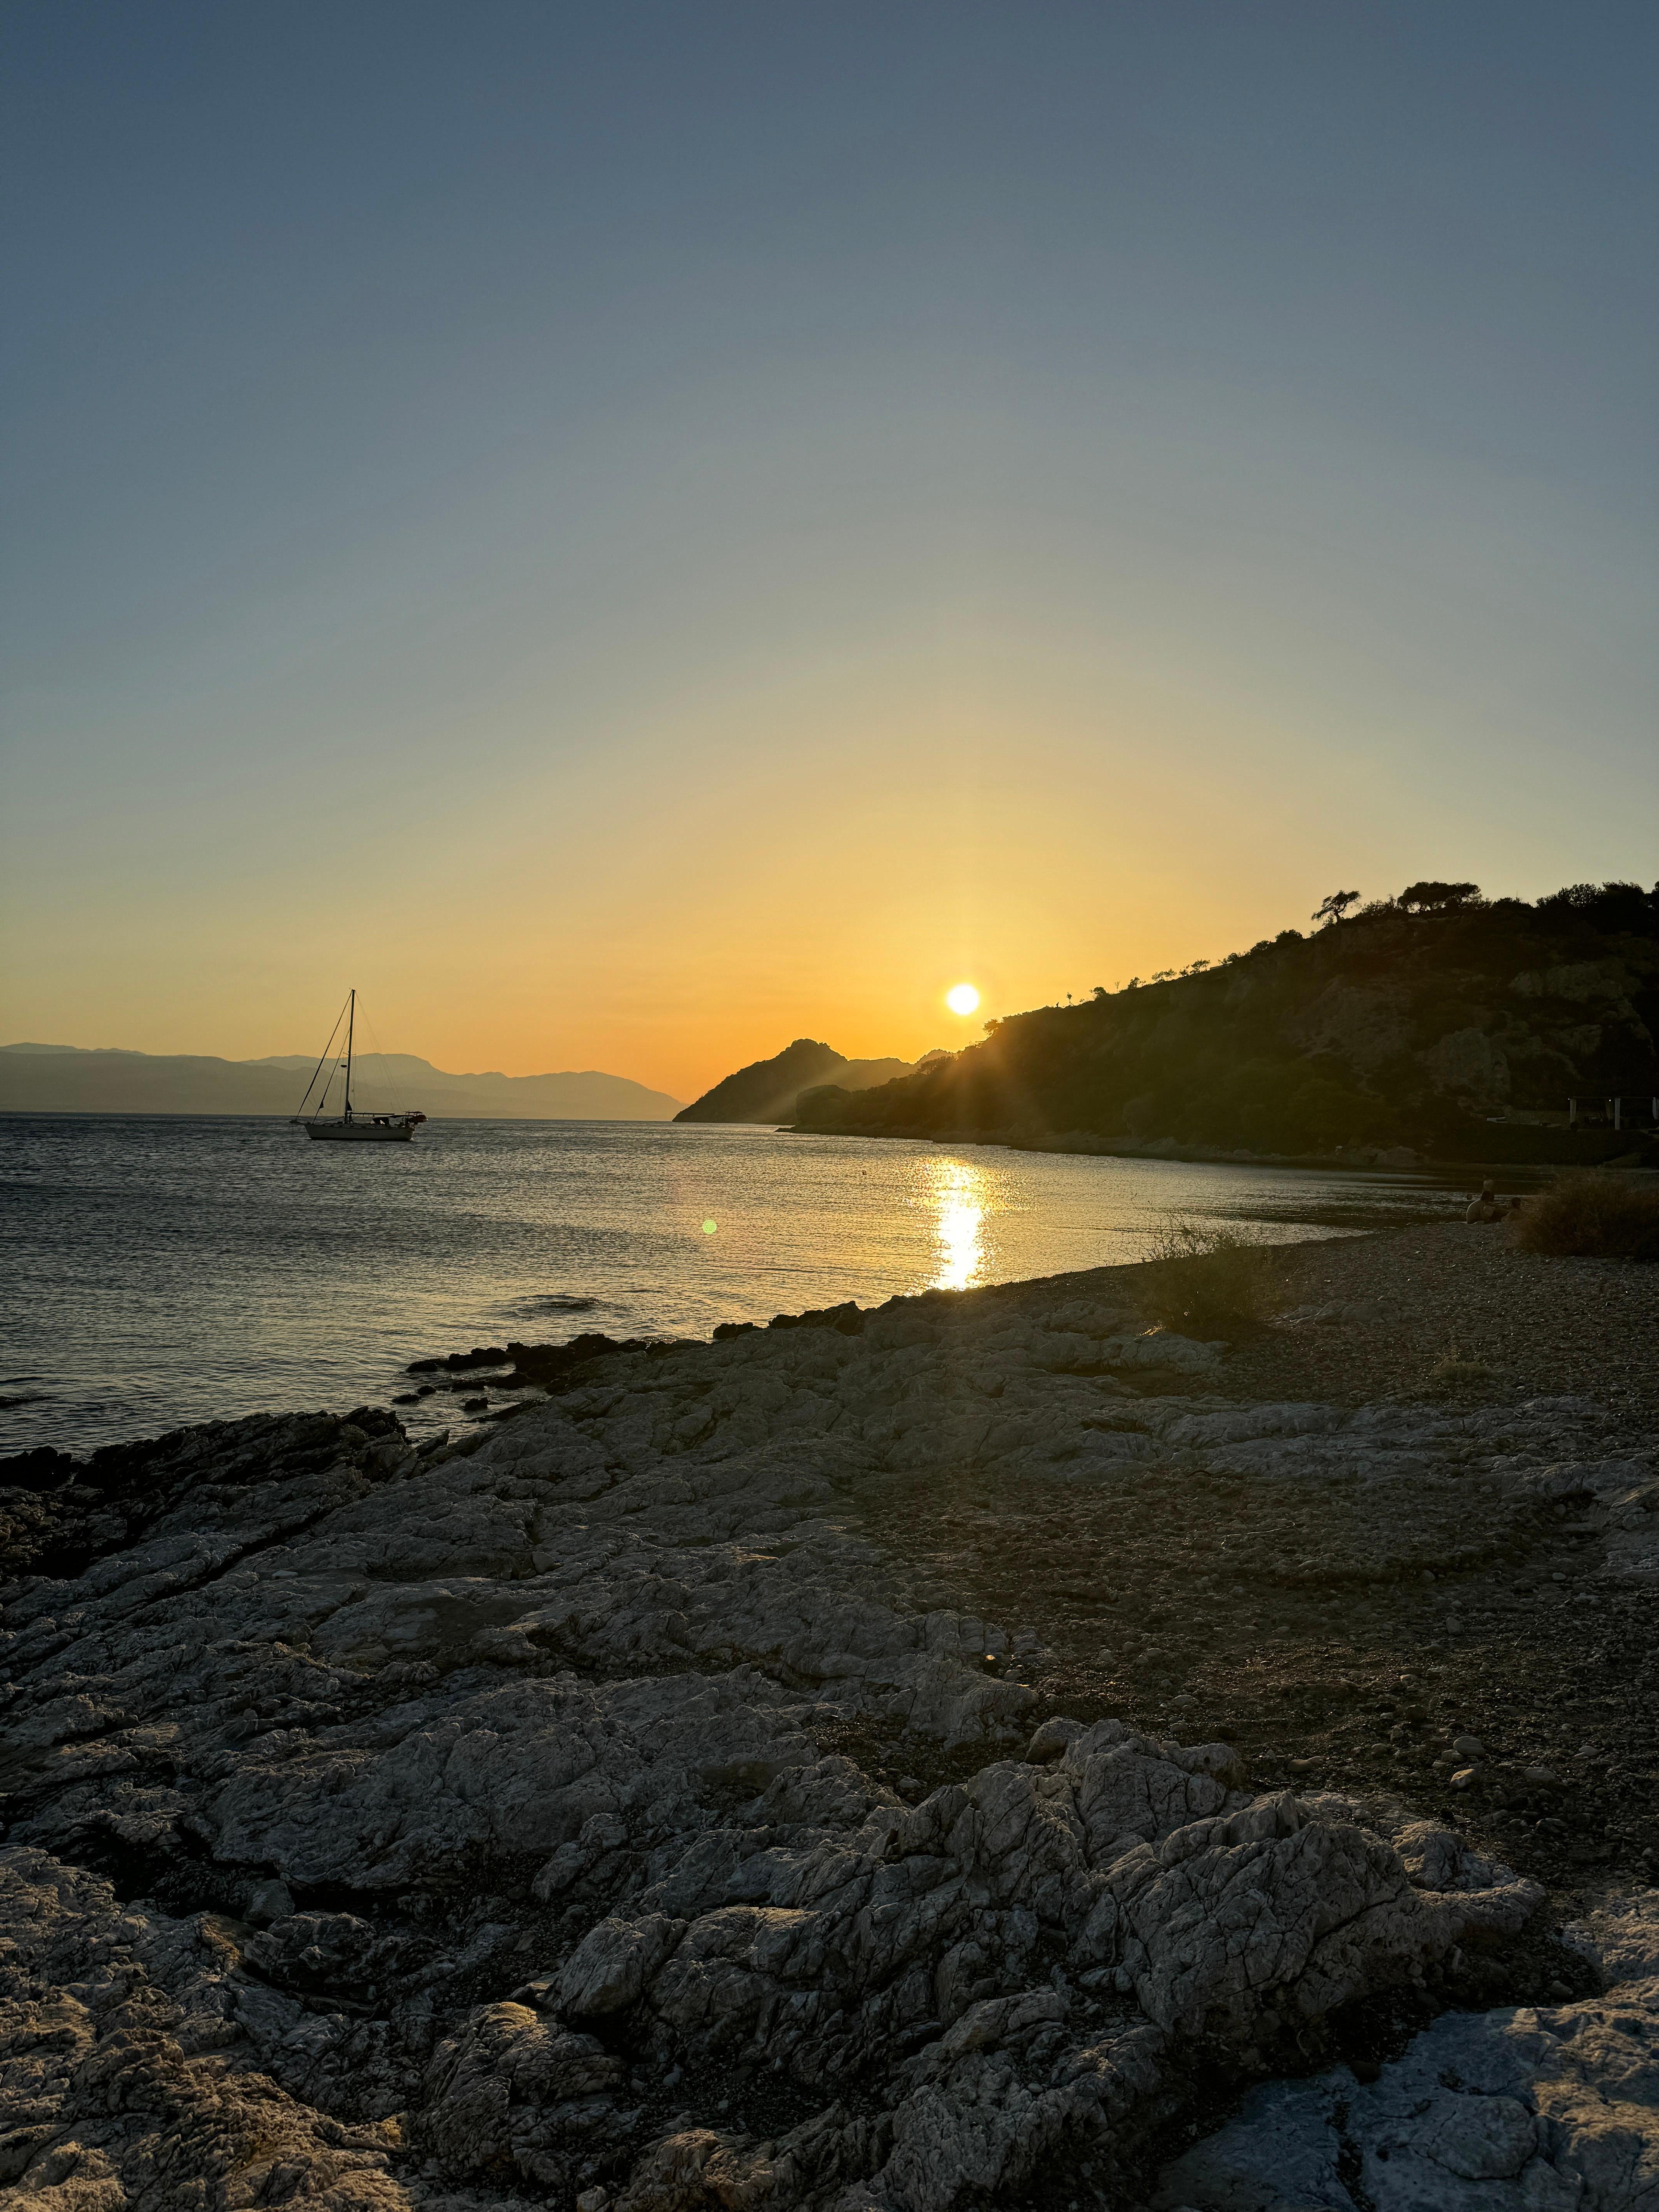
(349, 1127)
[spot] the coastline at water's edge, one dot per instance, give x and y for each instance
(1393, 1158)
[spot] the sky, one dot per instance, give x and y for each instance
(635, 533)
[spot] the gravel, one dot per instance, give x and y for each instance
(1356, 1636)
(1544, 1327)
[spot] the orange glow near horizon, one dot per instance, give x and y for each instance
(682, 904)
(689, 899)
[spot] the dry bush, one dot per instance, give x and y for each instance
(1591, 1217)
(1204, 1282)
(1453, 1372)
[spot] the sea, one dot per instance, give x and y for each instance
(168, 1269)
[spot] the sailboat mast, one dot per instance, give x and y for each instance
(351, 1023)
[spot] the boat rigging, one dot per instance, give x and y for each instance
(349, 1127)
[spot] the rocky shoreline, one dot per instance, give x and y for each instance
(934, 1758)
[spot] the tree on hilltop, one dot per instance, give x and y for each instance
(1437, 898)
(1613, 906)
(1333, 908)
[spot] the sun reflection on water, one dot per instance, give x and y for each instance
(957, 1193)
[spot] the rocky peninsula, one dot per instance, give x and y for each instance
(978, 1752)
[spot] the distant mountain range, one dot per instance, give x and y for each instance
(766, 1090)
(58, 1078)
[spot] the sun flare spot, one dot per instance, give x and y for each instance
(961, 997)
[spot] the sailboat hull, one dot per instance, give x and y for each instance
(359, 1133)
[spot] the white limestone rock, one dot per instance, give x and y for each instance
(1522, 2109)
(504, 1804)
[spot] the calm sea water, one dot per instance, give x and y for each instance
(168, 1270)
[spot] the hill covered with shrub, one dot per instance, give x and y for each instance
(1419, 1021)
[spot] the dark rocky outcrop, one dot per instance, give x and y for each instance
(462, 1363)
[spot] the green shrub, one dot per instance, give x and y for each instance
(1204, 1282)
(1591, 1217)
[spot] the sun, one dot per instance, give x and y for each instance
(961, 997)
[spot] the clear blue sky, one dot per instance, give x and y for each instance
(636, 532)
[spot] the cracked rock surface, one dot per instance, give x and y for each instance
(1523, 2110)
(503, 1825)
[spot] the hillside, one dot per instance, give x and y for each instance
(767, 1090)
(1440, 1021)
(62, 1080)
